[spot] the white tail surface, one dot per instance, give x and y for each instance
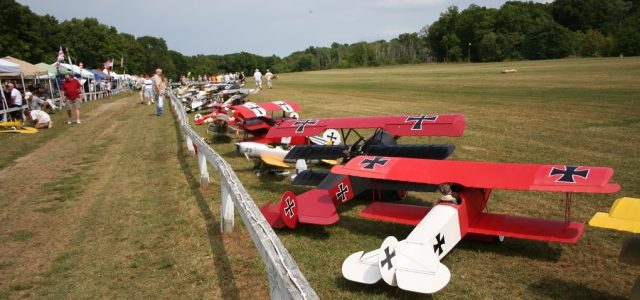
(418, 268)
(362, 267)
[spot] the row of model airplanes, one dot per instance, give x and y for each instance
(375, 164)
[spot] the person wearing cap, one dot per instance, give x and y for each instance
(257, 76)
(269, 77)
(71, 96)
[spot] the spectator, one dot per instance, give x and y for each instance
(269, 77)
(71, 96)
(159, 88)
(15, 101)
(257, 76)
(241, 77)
(148, 90)
(39, 118)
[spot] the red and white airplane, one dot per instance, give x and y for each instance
(413, 263)
(318, 206)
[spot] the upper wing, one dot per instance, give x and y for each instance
(508, 176)
(252, 110)
(419, 125)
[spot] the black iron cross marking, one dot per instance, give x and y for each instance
(301, 124)
(568, 174)
(387, 259)
(371, 163)
(343, 189)
(257, 110)
(437, 248)
(284, 106)
(288, 211)
(418, 121)
(332, 137)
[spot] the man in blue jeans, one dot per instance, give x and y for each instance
(159, 88)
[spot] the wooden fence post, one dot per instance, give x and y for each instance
(192, 150)
(202, 163)
(226, 207)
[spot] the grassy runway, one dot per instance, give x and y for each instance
(117, 210)
(572, 111)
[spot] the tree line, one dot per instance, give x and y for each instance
(516, 30)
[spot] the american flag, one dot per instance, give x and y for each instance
(108, 64)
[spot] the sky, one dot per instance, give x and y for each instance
(272, 27)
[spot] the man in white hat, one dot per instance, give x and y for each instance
(269, 77)
(257, 76)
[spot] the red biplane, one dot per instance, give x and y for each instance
(255, 120)
(414, 263)
(318, 206)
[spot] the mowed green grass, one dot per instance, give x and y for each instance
(571, 111)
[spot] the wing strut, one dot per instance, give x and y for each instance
(567, 207)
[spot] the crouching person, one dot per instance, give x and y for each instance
(40, 119)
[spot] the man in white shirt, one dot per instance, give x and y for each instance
(257, 76)
(40, 119)
(16, 101)
(269, 77)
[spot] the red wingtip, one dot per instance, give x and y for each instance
(289, 209)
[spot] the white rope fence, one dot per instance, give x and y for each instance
(285, 279)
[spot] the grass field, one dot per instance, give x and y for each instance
(118, 211)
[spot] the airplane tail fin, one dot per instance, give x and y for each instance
(284, 213)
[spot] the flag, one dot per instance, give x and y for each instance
(69, 56)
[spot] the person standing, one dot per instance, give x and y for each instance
(148, 89)
(71, 96)
(257, 76)
(269, 77)
(159, 88)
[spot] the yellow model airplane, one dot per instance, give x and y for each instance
(15, 127)
(624, 215)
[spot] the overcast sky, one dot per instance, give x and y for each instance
(260, 27)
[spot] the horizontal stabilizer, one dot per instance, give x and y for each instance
(418, 268)
(412, 151)
(362, 267)
(309, 178)
(317, 152)
(527, 228)
(624, 215)
(316, 207)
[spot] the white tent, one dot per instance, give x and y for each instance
(10, 68)
(76, 70)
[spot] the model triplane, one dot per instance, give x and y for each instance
(414, 263)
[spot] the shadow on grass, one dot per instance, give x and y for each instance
(220, 257)
(378, 290)
(220, 139)
(535, 250)
(559, 288)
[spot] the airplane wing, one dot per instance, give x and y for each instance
(253, 110)
(337, 151)
(274, 161)
(624, 215)
(508, 176)
(418, 125)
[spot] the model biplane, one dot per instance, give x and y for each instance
(255, 120)
(16, 127)
(413, 264)
(318, 206)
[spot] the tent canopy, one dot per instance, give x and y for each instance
(7, 67)
(28, 70)
(99, 75)
(76, 70)
(53, 71)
